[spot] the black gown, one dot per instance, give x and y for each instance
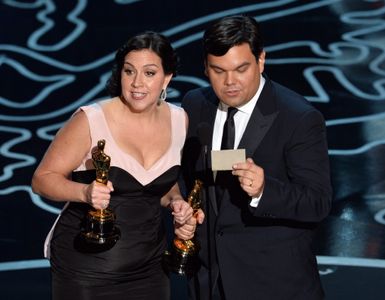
(132, 268)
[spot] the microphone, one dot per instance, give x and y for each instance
(204, 135)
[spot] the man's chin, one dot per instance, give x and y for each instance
(232, 101)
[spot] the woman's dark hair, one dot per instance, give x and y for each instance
(232, 31)
(150, 40)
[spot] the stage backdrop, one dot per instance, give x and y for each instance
(56, 56)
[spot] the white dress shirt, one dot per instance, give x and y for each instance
(241, 118)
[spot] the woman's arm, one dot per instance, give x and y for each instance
(52, 177)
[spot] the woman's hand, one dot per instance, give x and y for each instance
(181, 210)
(98, 195)
(187, 230)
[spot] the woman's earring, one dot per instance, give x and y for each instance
(163, 96)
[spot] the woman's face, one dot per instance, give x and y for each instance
(143, 79)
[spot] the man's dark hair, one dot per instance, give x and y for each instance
(232, 31)
(150, 40)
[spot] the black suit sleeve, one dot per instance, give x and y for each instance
(306, 194)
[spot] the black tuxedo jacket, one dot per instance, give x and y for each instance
(263, 252)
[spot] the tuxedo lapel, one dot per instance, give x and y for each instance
(255, 131)
(262, 118)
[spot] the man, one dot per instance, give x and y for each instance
(261, 215)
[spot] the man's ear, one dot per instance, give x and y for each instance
(261, 61)
(262, 56)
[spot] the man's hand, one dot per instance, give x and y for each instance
(251, 177)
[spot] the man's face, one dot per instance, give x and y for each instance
(235, 76)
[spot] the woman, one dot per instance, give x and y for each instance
(143, 137)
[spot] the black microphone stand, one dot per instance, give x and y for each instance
(207, 206)
(204, 132)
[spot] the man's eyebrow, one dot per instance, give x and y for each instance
(236, 68)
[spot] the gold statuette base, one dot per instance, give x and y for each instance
(183, 257)
(100, 228)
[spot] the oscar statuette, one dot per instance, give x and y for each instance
(100, 223)
(182, 259)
